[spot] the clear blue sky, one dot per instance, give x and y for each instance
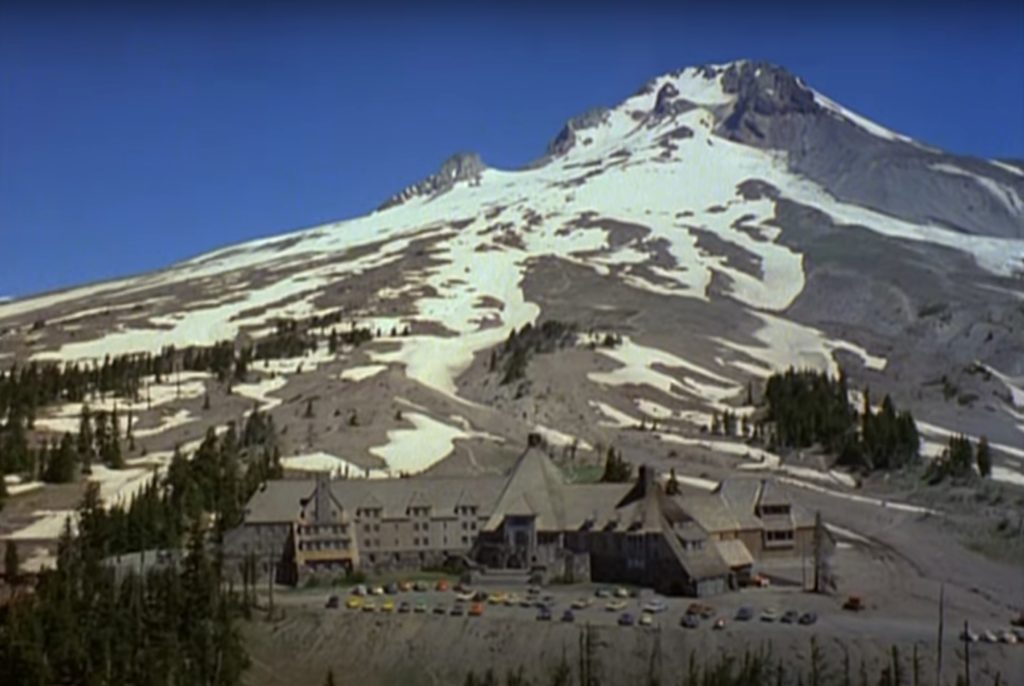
(131, 138)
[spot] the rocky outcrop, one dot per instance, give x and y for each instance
(566, 138)
(462, 166)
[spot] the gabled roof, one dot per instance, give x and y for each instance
(535, 487)
(735, 553)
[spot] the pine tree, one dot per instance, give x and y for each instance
(983, 457)
(11, 564)
(672, 486)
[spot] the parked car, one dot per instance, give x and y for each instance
(480, 597)
(359, 589)
(689, 621)
(544, 614)
(533, 589)
(387, 606)
(391, 589)
(441, 585)
(769, 614)
(440, 609)
(1019, 633)
(603, 593)
(496, 598)
(969, 636)
(790, 617)
(420, 586)
(404, 607)
(420, 608)
(719, 624)
(646, 619)
(1008, 636)
(568, 616)
(404, 586)
(621, 592)
(354, 602)
(615, 605)
(808, 618)
(476, 609)
(369, 606)
(745, 614)
(581, 603)
(465, 597)
(377, 590)
(626, 619)
(525, 602)
(511, 600)
(462, 587)
(989, 636)
(458, 609)
(332, 602)
(655, 605)
(854, 603)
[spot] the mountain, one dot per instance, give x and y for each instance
(726, 221)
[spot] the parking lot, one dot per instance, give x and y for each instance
(754, 610)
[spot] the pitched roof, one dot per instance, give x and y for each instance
(535, 487)
(735, 553)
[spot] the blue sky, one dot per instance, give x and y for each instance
(130, 138)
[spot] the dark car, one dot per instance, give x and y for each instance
(689, 621)
(391, 589)
(404, 607)
(745, 614)
(568, 616)
(790, 617)
(544, 614)
(420, 586)
(458, 610)
(626, 619)
(333, 602)
(480, 597)
(440, 610)
(808, 618)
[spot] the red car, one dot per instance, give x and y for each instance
(476, 609)
(441, 585)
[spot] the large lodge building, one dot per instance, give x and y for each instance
(529, 519)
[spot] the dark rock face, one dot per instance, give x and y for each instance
(775, 110)
(463, 166)
(668, 104)
(566, 138)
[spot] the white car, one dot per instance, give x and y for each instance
(989, 637)
(969, 636)
(655, 605)
(621, 592)
(1008, 637)
(646, 619)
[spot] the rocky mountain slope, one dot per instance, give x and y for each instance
(725, 221)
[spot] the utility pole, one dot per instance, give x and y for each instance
(967, 655)
(938, 651)
(269, 582)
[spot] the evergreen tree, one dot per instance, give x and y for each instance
(11, 564)
(672, 486)
(983, 458)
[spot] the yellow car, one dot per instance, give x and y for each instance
(388, 605)
(496, 598)
(354, 603)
